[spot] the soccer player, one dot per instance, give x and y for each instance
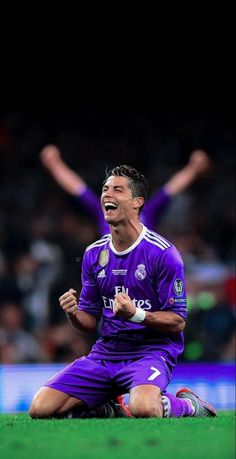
(72, 183)
(134, 279)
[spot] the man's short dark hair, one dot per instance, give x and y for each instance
(137, 181)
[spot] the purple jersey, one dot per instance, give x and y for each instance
(151, 272)
(150, 214)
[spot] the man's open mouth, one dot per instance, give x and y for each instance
(109, 206)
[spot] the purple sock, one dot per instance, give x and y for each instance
(174, 407)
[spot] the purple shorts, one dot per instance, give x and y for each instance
(97, 381)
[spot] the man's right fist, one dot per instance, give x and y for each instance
(68, 302)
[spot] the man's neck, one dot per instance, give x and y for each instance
(125, 234)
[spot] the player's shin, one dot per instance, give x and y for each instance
(174, 407)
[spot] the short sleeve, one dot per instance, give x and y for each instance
(89, 300)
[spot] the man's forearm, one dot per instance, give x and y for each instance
(164, 321)
(82, 321)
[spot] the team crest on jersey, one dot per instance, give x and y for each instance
(140, 272)
(104, 257)
(178, 287)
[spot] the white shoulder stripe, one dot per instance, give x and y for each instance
(104, 238)
(100, 242)
(155, 239)
(153, 233)
(159, 238)
(155, 243)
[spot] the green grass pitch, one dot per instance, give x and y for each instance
(187, 438)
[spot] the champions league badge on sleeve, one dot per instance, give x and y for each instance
(178, 287)
(104, 257)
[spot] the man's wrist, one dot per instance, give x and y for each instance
(71, 315)
(139, 316)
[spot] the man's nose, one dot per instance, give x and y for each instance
(108, 193)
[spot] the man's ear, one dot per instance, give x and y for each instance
(138, 202)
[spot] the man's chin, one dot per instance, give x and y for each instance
(111, 220)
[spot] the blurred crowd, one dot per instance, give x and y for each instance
(44, 231)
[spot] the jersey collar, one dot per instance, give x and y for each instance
(132, 247)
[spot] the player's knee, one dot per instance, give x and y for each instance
(42, 405)
(145, 409)
(146, 403)
(39, 409)
(35, 410)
